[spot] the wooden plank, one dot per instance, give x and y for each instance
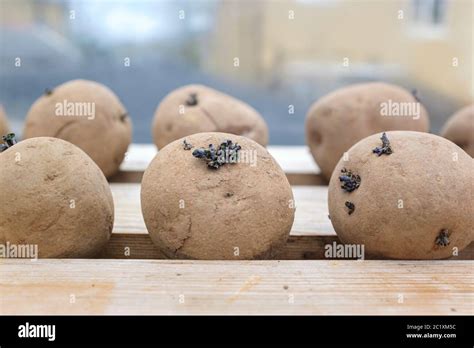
(296, 162)
(127, 206)
(293, 178)
(235, 287)
(292, 159)
(140, 246)
(311, 232)
(311, 217)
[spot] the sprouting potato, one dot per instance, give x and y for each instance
(87, 114)
(200, 203)
(196, 108)
(404, 195)
(340, 119)
(54, 196)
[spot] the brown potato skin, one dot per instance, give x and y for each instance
(105, 138)
(36, 196)
(436, 192)
(237, 205)
(460, 129)
(340, 119)
(4, 129)
(215, 112)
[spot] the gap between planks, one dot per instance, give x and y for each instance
(235, 287)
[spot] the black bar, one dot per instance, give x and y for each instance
(347, 330)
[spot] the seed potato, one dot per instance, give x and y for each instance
(460, 129)
(240, 210)
(340, 119)
(415, 203)
(87, 114)
(54, 196)
(196, 108)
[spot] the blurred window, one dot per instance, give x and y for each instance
(429, 12)
(428, 19)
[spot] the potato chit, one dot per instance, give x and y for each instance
(340, 119)
(87, 114)
(196, 206)
(196, 108)
(460, 129)
(413, 202)
(8, 141)
(54, 196)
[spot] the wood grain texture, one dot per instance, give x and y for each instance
(140, 246)
(235, 287)
(311, 215)
(311, 232)
(292, 159)
(296, 162)
(298, 247)
(132, 276)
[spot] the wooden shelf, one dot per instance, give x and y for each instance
(296, 162)
(235, 287)
(311, 231)
(302, 281)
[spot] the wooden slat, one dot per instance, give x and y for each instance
(296, 162)
(311, 232)
(311, 216)
(235, 287)
(292, 159)
(133, 286)
(298, 247)
(140, 246)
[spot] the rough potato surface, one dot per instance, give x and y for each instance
(238, 211)
(340, 119)
(406, 199)
(104, 137)
(196, 108)
(53, 195)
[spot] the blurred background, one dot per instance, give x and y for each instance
(278, 56)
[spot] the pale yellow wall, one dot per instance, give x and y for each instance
(18, 12)
(237, 35)
(364, 31)
(330, 32)
(26, 12)
(432, 60)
